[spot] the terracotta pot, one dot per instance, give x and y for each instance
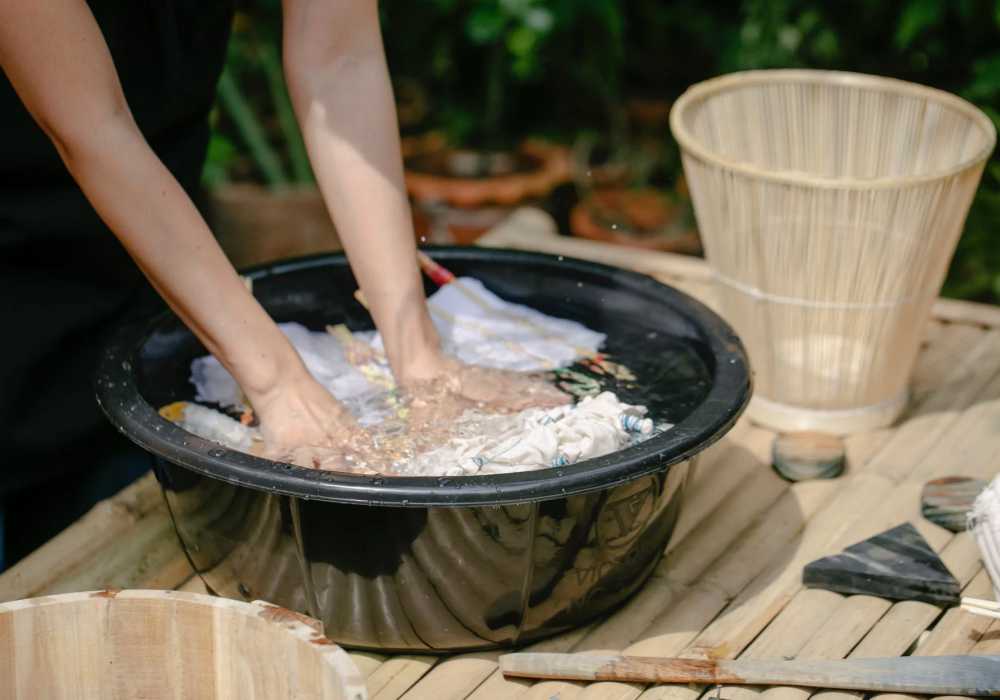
(642, 218)
(460, 194)
(649, 113)
(255, 225)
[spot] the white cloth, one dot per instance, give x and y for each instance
(479, 328)
(984, 522)
(536, 438)
(217, 427)
(475, 325)
(489, 443)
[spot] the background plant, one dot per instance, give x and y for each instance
(489, 72)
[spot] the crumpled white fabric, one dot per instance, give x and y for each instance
(984, 522)
(480, 328)
(484, 330)
(217, 427)
(321, 353)
(489, 443)
(537, 438)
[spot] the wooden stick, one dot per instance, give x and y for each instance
(982, 603)
(985, 612)
(936, 675)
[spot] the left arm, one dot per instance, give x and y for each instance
(339, 84)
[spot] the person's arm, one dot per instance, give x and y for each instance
(339, 84)
(55, 56)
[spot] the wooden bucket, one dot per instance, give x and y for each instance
(167, 644)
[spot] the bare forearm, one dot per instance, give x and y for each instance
(342, 96)
(56, 58)
(162, 230)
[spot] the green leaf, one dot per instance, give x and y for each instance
(521, 41)
(515, 8)
(789, 38)
(985, 83)
(539, 19)
(917, 16)
(485, 24)
(826, 46)
(524, 67)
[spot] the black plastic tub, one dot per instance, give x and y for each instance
(442, 564)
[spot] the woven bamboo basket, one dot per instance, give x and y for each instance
(124, 645)
(830, 205)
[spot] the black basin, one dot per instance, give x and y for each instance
(442, 564)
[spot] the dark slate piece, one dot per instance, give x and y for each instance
(948, 501)
(897, 564)
(808, 455)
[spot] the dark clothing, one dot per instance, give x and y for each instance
(65, 281)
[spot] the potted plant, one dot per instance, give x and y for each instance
(474, 171)
(623, 198)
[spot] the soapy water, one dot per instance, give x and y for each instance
(600, 393)
(434, 432)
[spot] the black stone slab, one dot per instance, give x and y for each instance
(947, 501)
(897, 564)
(808, 455)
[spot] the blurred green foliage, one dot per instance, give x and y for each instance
(489, 72)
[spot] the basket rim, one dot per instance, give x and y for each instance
(701, 91)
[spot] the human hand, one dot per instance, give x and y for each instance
(302, 423)
(458, 387)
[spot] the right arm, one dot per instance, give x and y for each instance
(55, 56)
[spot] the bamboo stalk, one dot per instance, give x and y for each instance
(251, 131)
(981, 603)
(297, 155)
(938, 675)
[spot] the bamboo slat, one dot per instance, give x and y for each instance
(723, 587)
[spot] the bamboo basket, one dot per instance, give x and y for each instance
(830, 205)
(122, 645)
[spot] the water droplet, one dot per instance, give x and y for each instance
(216, 453)
(579, 284)
(406, 502)
(561, 258)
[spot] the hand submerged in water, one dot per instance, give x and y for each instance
(459, 387)
(303, 424)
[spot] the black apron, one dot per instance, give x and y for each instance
(65, 281)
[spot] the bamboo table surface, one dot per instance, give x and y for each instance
(730, 583)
